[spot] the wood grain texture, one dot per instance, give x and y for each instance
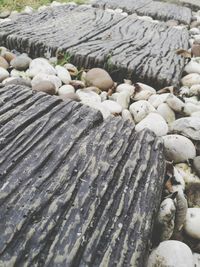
(127, 47)
(74, 190)
(158, 10)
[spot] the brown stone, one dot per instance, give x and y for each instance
(196, 48)
(9, 56)
(3, 63)
(45, 86)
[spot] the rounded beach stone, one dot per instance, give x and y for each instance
(155, 123)
(166, 112)
(4, 14)
(21, 62)
(178, 148)
(191, 79)
(66, 89)
(192, 223)
(40, 65)
(171, 253)
(124, 87)
(63, 74)
(17, 81)
(9, 56)
(112, 106)
(175, 103)
(45, 86)
(100, 78)
(141, 109)
(45, 77)
(3, 74)
(3, 63)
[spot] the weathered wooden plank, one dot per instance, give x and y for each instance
(74, 190)
(126, 46)
(157, 10)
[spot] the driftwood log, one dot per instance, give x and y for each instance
(74, 190)
(127, 47)
(157, 10)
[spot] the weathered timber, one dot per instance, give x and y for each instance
(74, 190)
(126, 46)
(157, 10)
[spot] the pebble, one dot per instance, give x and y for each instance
(104, 96)
(175, 103)
(192, 67)
(171, 253)
(195, 114)
(99, 106)
(3, 63)
(73, 71)
(196, 49)
(178, 148)
(20, 62)
(63, 74)
(189, 127)
(5, 14)
(140, 110)
(123, 99)
(65, 90)
(191, 79)
(196, 165)
(186, 172)
(192, 223)
(45, 77)
(156, 100)
(190, 108)
(166, 112)
(70, 96)
(17, 81)
(40, 65)
(193, 195)
(112, 106)
(87, 96)
(126, 115)
(195, 90)
(100, 78)
(45, 86)
(3, 74)
(8, 56)
(155, 123)
(196, 258)
(124, 87)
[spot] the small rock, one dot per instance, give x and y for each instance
(17, 81)
(171, 253)
(3, 74)
(126, 115)
(156, 100)
(99, 78)
(3, 63)
(40, 65)
(178, 148)
(8, 56)
(102, 108)
(187, 173)
(3, 50)
(70, 96)
(141, 109)
(192, 224)
(196, 114)
(124, 87)
(195, 90)
(196, 49)
(112, 106)
(63, 74)
(88, 96)
(189, 127)
(192, 67)
(73, 71)
(65, 90)
(196, 258)
(193, 195)
(166, 112)
(196, 165)
(194, 31)
(190, 108)
(123, 99)
(191, 79)
(155, 123)
(104, 96)
(145, 87)
(77, 84)
(20, 62)
(175, 103)
(5, 14)
(45, 77)
(45, 86)
(28, 10)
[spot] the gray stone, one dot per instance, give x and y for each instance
(45, 86)
(4, 14)
(20, 62)
(17, 81)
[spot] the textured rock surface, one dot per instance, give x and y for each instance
(75, 190)
(126, 46)
(156, 10)
(194, 4)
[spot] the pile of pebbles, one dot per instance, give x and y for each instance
(171, 113)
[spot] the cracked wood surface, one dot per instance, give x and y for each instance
(74, 190)
(127, 47)
(157, 10)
